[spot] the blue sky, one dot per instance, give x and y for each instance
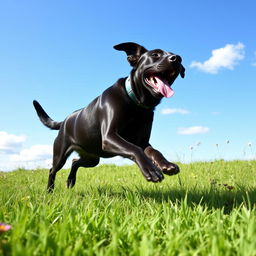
(61, 53)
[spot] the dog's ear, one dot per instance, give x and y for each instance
(182, 71)
(133, 51)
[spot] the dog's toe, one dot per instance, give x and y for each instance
(171, 169)
(153, 174)
(157, 175)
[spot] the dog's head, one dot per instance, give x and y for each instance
(155, 70)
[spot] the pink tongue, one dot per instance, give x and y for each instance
(164, 88)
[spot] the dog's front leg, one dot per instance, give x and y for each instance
(159, 160)
(113, 143)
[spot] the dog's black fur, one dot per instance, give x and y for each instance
(113, 123)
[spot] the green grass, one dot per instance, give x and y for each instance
(208, 209)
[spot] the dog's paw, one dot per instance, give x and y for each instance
(168, 168)
(152, 173)
(71, 182)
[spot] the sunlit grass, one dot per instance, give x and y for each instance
(208, 209)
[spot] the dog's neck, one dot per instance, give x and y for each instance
(133, 97)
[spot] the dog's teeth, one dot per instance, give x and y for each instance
(152, 80)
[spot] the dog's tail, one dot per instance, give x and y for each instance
(44, 118)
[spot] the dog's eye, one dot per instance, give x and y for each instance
(155, 54)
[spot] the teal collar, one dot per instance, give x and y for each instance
(131, 94)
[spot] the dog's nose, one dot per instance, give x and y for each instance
(172, 58)
(175, 58)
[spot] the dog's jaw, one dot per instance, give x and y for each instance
(145, 93)
(160, 86)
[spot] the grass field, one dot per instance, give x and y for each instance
(208, 209)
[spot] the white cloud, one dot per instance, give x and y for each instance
(32, 154)
(10, 143)
(117, 160)
(30, 158)
(193, 130)
(168, 111)
(13, 155)
(226, 57)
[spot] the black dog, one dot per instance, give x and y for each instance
(119, 121)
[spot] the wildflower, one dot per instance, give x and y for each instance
(4, 227)
(228, 141)
(191, 147)
(249, 144)
(198, 143)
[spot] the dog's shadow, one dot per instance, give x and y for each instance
(213, 198)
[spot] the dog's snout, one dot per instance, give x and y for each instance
(172, 58)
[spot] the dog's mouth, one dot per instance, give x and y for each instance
(161, 83)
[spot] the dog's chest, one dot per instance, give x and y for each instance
(136, 128)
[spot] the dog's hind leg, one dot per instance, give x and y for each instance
(61, 151)
(81, 162)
